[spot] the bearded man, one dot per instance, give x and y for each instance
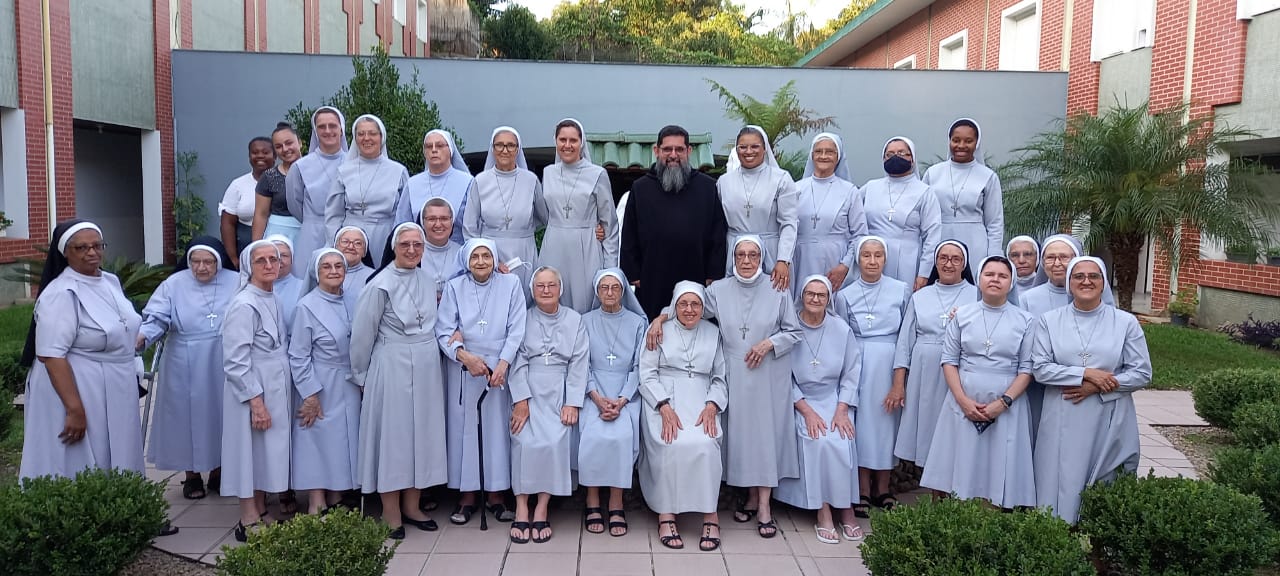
(674, 228)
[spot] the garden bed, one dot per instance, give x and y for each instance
(1181, 355)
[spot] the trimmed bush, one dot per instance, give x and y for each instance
(92, 525)
(13, 377)
(342, 543)
(955, 537)
(1257, 425)
(1220, 393)
(1252, 471)
(7, 412)
(1176, 527)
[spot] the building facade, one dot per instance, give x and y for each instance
(87, 129)
(1220, 55)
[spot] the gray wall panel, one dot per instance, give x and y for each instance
(215, 117)
(1125, 79)
(109, 187)
(1259, 107)
(333, 27)
(113, 72)
(217, 25)
(284, 26)
(8, 57)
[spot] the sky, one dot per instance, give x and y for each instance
(819, 11)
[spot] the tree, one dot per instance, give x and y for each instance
(483, 9)
(516, 34)
(809, 39)
(1129, 175)
(375, 88)
(780, 117)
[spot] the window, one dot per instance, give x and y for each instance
(908, 63)
(399, 11)
(953, 52)
(1121, 26)
(423, 24)
(1020, 36)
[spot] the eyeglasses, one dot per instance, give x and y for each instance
(667, 150)
(750, 147)
(749, 256)
(1091, 276)
(98, 247)
(504, 146)
(351, 243)
(543, 286)
(688, 305)
(1057, 258)
(610, 288)
(809, 295)
(1027, 254)
(410, 245)
(435, 146)
(266, 260)
(437, 219)
(951, 259)
(819, 152)
(900, 154)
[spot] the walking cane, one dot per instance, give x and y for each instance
(150, 376)
(484, 516)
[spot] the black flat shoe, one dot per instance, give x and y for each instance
(427, 525)
(168, 529)
(863, 508)
(742, 515)
(397, 533)
(193, 488)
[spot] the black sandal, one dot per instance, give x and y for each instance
(742, 515)
(863, 508)
(215, 481)
(168, 529)
(501, 513)
(675, 535)
(519, 527)
(538, 527)
(193, 488)
(288, 502)
(241, 531)
(771, 526)
(462, 514)
(619, 524)
(886, 501)
(714, 542)
(588, 523)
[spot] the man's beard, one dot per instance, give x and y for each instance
(674, 177)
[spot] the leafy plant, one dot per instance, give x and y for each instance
(1257, 424)
(5, 223)
(1260, 333)
(375, 88)
(516, 34)
(189, 211)
(1252, 471)
(1176, 526)
(1220, 393)
(1185, 303)
(954, 537)
(137, 278)
(13, 377)
(91, 525)
(340, 543)
(1131, 174)
(781, 117)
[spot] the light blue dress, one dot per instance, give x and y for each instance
(904, 211)
(324, 454)
(971, 205)
(607, 451)
(830, 219)
(875, 311)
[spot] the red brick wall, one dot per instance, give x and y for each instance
(1168, 54)
(184, 23)
(911, 38)
(1083, 75)
(164, 120)
(949, 18)
(1218, 72)
(250, 35)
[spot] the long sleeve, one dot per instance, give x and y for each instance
(472, 226)
(540, 216)
(857, 222)
(518, 382)
(993, 214)
(607, 215)
(851, 372)
(652, 390)
(715, 238)
(718, 391)
(1045, 367)
(300, 365)
(930, 232)
(788, 334)
(447, 321)
(906, 337)
(575, 386)
(1135, 362)
(364, 331)
(516, 317)
(951, 347)
(402, 192)
(630, 256)
(404, 205)
(796, 393)
(633, 377)
(335, 210)
(158, 314)
(238, 330)
(295, 189)
(787, 218)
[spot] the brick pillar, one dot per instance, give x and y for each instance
(355, 17)
(29, 43)
(409, 34)
(1084, 74)
(184, 24)
(250, 31)
(310, 27)
(164, 119)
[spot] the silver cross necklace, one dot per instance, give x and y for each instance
(687, 345)
(987, 343)
(211, 316)
(871, 306)
(506, 197)
(362, 204)
(893, 200)
(813, 351)
(1083, 354)
(610, 342)
(568, 199)
(749, 193)
(813, 202)
(955, 192)
(482, 303)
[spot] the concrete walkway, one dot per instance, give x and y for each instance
(206, 526)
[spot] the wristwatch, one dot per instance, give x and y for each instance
(658, 407)
(1008, 401)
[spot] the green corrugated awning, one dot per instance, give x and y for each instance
(635, 150)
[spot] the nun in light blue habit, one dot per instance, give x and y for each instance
(446, 176)
(308, 184)
(830, 213)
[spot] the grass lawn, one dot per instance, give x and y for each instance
(1180, 355)
(14, 321)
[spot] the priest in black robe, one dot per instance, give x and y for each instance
(674, 227)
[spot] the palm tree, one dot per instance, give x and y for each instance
(1128, 174)
(780, 117)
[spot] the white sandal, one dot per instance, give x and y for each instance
(827, 539)
(855, 529)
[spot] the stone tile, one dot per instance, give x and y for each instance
(1163, 472)
(1161, 453)
(404, 564)
(749, 542)
(565, 537)
(1155, 439)
(558, 564)
(615, 564)
(469, 564)
(690, 527)
(211, 559)
(702, 564)
(808, 566)
(470, 539)
(418, 542)
(1173, 462)
(224, 517)
(740, 565)
(636, 540)
(845, 549)
(192, 540)
(842, 567)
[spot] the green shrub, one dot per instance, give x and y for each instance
(94, 524)
(1252, 471)
(955, 537)
(1257, 425)
(343, 543)
(7, 412)
(1219, 393)
(1176, 527)
(12, 376)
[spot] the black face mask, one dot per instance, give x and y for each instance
(897, 165)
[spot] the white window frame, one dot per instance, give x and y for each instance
(423, 24)
(949, 45)
(1013, 14)
(400, 11)
(1121, 26)
(1247, 9)
(908, 63)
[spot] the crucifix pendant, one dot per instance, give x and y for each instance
(955, 210)
(815, 219)
(546, 358)
(987, 344)
(688, 368)
(945, 318)
(211, 316)
(1084, 357)
(359, 207)
(482, 324)
(815, 363)
(869, 318)
(567, 209)
(744, 331)
(748, 207)
(611, 357)
(420, 318)
(506, 223)
(891, 213)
